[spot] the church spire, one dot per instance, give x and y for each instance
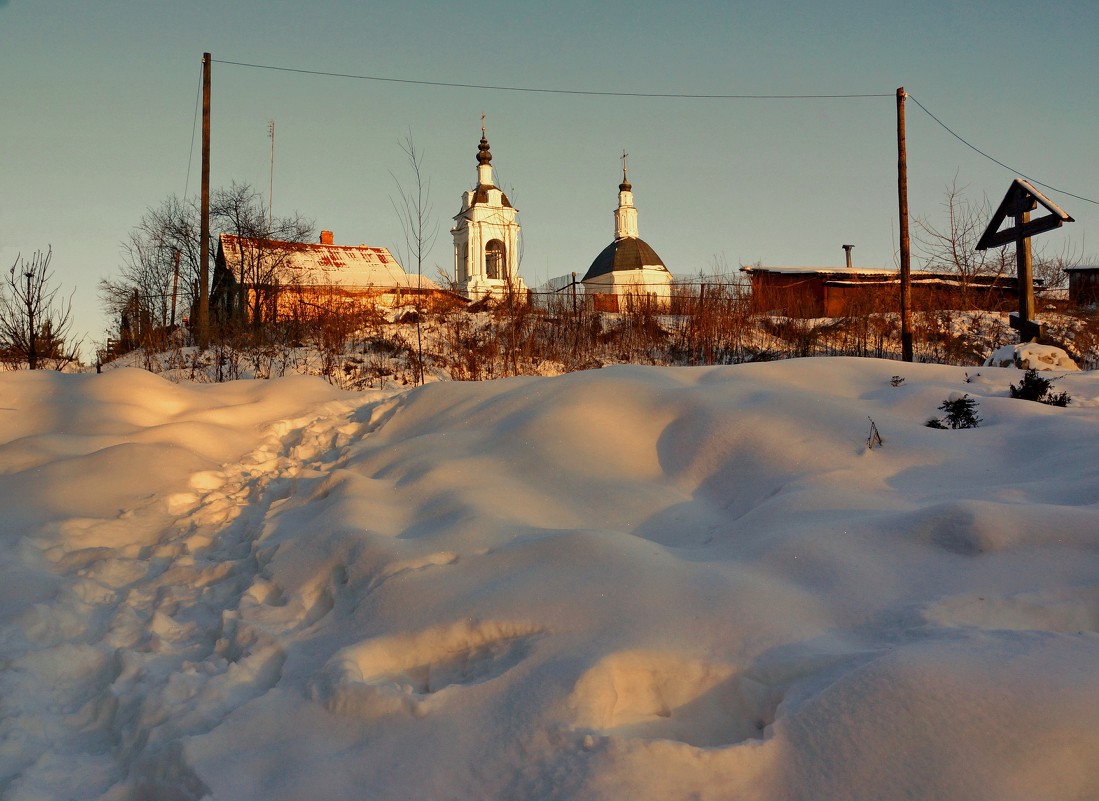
(625, 216)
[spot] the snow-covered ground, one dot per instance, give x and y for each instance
(629, 583)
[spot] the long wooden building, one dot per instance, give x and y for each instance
(845, 291)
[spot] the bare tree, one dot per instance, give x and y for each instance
(413, 207)
(34, 320)
(264, 245)
(157, 282)
(952, 248)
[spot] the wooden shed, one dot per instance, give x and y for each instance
(1083, 285)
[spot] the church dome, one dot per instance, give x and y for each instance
(484, 155)
(629, 253)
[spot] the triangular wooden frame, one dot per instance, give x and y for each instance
(1021, 197)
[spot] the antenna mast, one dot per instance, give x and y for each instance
(271, 182)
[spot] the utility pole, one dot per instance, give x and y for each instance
(906, 254)
(203, 322)
(175, 282)
(32, 324)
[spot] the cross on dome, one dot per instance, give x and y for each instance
(484, 156)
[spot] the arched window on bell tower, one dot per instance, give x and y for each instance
(495, 259)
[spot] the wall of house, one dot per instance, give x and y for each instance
(789, 295)
(852, 299)
(809, 296)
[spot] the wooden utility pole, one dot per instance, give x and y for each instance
(175, 281)
(906, 253)
(203, 311)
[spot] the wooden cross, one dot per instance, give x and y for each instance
(1020, 200)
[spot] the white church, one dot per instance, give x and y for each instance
(486, 247)
(486, 237)
(628, 266)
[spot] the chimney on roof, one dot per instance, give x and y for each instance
(848, 248)
(326, 238)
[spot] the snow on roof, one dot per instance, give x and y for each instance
(922, 276)
(819, 270)
(316, 264)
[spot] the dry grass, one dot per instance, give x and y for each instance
(360, 346)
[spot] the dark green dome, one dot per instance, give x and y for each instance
(628, 253)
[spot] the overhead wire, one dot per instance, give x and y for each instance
(653, 95)
(194, 127)
(994, 160)
(592, 92)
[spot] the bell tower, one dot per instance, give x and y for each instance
(486, 236)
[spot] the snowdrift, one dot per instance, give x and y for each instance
(631, 583)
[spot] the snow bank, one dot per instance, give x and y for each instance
(1032, 356)
(641, 583)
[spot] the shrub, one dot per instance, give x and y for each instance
(960, 413)
(1035, 387)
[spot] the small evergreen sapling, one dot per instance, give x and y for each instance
(960, 413)
(1035, 387)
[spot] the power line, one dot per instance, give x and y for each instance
(666, 95)
(680, 95)
(976, 149)
(194, 127)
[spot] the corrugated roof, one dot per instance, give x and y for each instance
(330, 265)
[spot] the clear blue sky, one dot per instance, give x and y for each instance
(98, 109)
